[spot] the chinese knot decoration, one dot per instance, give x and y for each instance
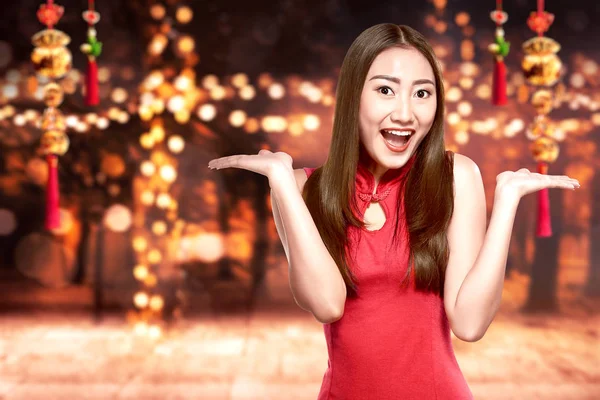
(52, 59)
(92, 49)
(541, 67)
(499, 49)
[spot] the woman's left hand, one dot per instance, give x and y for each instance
(522, 182)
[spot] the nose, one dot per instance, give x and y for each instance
(403, 113)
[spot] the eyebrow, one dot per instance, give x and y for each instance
(396, 80)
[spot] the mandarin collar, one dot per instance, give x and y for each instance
(365, 181)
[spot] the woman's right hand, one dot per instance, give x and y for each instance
(272, 165)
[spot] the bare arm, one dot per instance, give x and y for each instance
(477, 264)
(474, 256)
(315, 281)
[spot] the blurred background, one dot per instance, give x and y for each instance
(166, 280)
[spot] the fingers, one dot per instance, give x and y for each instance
(259, 163)
(554, 181)
(563, 182)
(227, 162)
(573, 182)
(565, 179)
(535, 182)
(232, 161)
(562, 185)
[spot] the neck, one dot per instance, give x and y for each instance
(373, 167)
(379, 172)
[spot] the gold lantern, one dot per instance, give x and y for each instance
(54, 142)
(542, 68)
(542, 102)
(544, 150)
(53, 95)
(52, 119)
(542, 126)
(51, 57)
(541, 65)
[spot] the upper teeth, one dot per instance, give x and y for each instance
(399, 133)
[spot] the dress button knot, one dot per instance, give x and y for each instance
(370, 197)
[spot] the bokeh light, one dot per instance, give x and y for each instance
(176, 144)
(207, 112)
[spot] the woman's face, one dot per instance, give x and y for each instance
(397, 106)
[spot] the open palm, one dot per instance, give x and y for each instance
(265, 162)
(523, 182)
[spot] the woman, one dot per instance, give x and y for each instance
(386, 242)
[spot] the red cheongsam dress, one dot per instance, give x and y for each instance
(393, 342)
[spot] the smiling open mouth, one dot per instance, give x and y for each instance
(397, 139)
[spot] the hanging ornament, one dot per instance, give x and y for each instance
(50, 56)
(541, 67)
(499, 49)
(92, 49)
(54, 143)
(52, 59)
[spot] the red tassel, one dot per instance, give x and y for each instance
(544, 226)
(92, 95)
(52, 193)
(499, 84)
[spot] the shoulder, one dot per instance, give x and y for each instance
(301, 178)
(466, 170)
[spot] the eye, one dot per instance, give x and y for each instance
(423, 94)
(385, 90)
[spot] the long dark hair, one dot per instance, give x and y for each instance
(429, 206)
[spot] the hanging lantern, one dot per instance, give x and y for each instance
(545, 150)
(499, 49)
(541, 125)
(542, 101)
(51, 58)
(54, 143)
(542, 67)
(92, 49)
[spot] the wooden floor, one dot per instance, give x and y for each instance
(278, 353)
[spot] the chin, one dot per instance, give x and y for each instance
(394, 161)
(400, 162)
